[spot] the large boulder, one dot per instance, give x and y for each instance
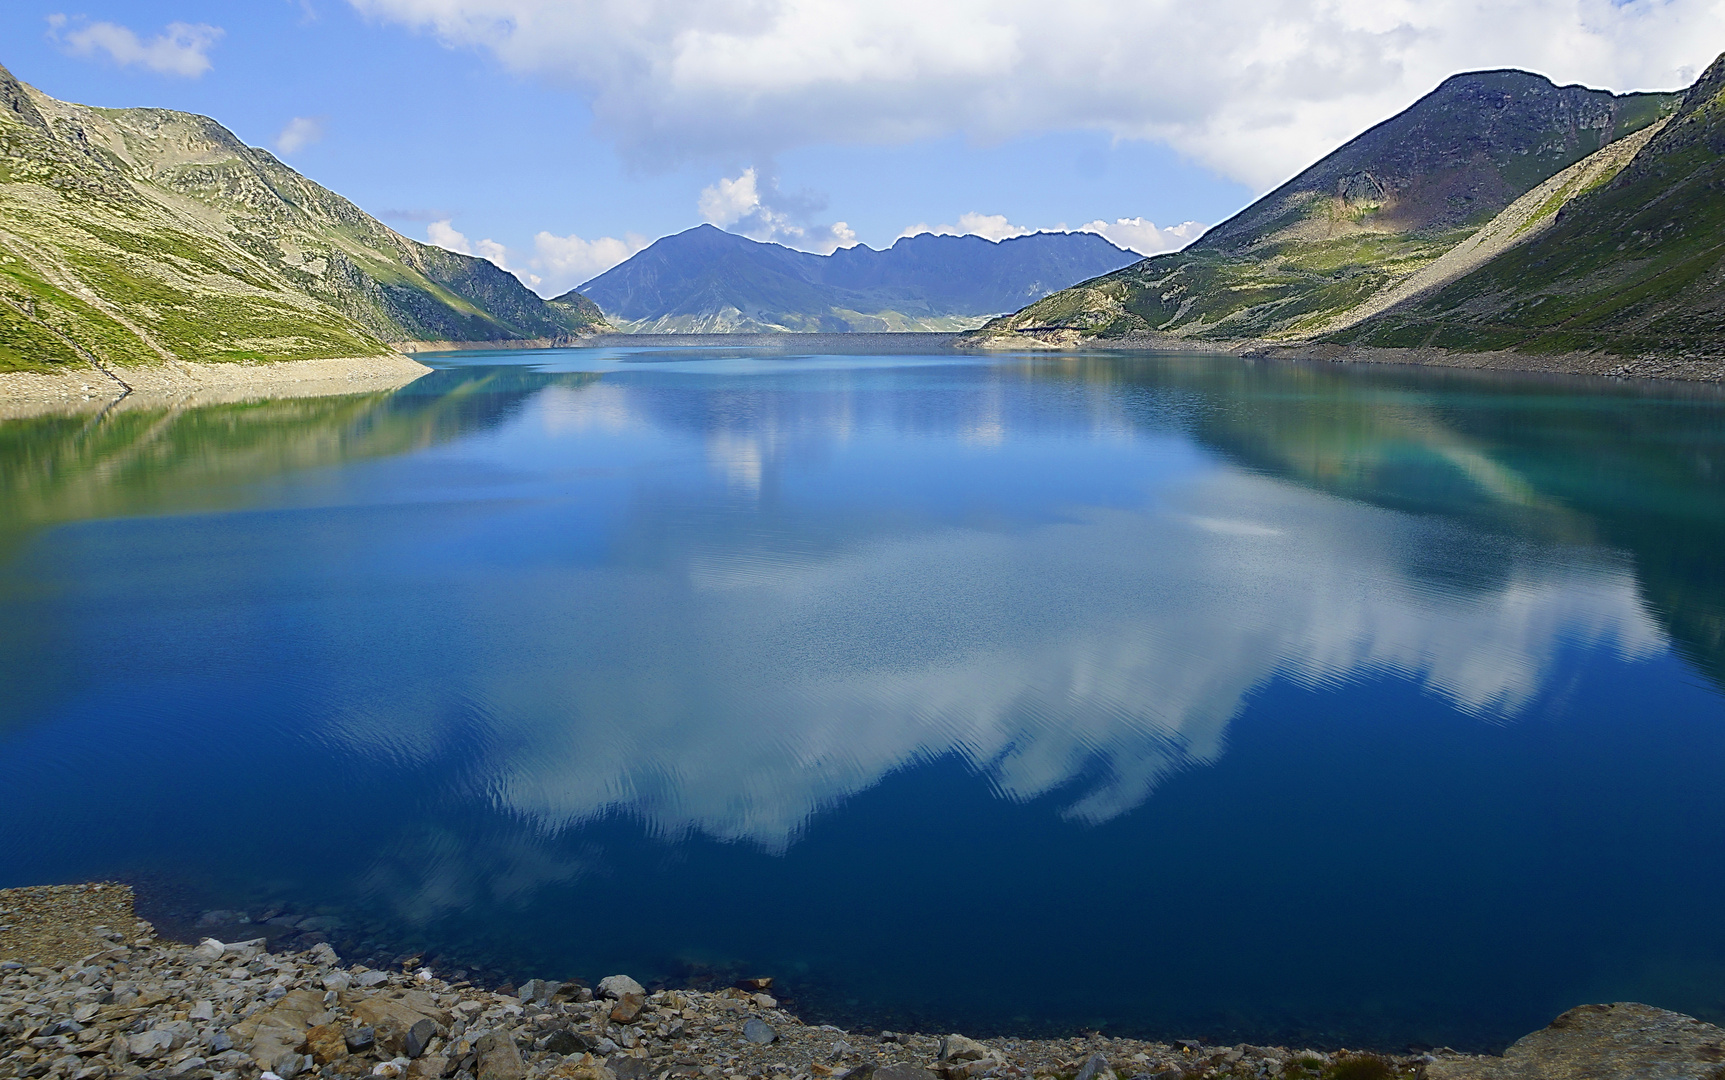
(1590, 1042)
(500, 1058)
(615, 986)
(273, 1033)
(394, 1017)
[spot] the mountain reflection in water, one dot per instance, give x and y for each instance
(498, 619)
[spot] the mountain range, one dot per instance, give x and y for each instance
(706, 280)
(1498, 214)
(138, 236)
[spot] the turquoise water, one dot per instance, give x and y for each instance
(1165, 695)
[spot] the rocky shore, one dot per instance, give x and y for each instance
(89, 992)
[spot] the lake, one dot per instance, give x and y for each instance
(1162, 695)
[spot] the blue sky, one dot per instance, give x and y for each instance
(568, 132)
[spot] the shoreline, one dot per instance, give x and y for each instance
(88, 991)
(1604, 365)
(26, 393)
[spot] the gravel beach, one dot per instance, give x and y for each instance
(89, 992)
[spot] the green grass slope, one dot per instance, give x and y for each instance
(1636, 267)
(1370, 215)
(136, 236)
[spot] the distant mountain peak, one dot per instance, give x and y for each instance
(705, 279)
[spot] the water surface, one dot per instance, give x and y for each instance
(1166, 695)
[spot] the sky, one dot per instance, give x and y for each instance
(557, 137)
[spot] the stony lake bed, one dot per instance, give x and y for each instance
(90, 992)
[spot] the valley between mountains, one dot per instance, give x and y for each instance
(1499, 221)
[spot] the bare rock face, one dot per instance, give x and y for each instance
(1625, 1041)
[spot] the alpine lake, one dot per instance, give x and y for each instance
(1161, 695)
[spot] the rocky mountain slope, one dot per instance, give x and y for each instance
(137, 236)
(1365, 219)
(1633, 267)
(706, 280)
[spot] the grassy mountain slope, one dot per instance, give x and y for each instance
(1378, 210)
(708, 280)
(1634, 267)
(136, 236)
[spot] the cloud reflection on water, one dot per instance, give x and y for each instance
(751, 673)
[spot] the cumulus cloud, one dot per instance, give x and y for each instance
(557, 263)
(446, 236)
(564, 262)
(299, 133)
(756, 208)
(988, 226)
(1253, 88)
(1134, 234)
(1141, 234)
(180, 49)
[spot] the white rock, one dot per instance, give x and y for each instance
(615, 986)
(209, 950)
(959, 1048)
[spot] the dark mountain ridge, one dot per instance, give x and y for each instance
(1634, 267)
(706, 279)
(1363, 220)
(1454, 158)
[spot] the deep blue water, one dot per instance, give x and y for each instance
(1161, 695)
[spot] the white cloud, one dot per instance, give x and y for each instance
(988, 226)
(1134, 234)
(445, 235)
(1254, 88)
(727, 200)
(558, 263)
(1141, 235)
(180, 49)
(565, 262)
(761, 211)
(299, 133)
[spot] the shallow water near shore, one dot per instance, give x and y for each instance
(1166, 695)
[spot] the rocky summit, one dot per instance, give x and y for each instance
(1632, 267)
(89, 992)
(143, 237)
(1480, 166)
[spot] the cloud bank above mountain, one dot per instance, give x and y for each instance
(1254, 89)
(1134, 233)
